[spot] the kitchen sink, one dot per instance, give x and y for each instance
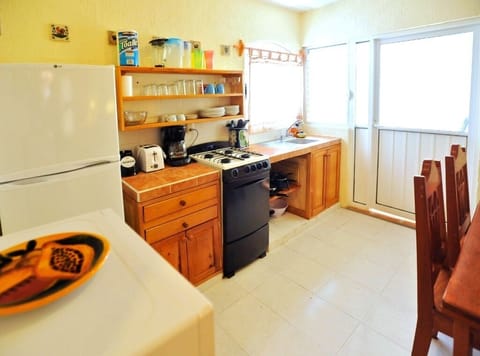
(300, 141)
(289, 141)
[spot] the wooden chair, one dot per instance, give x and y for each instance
(432, 268)
(458, 201)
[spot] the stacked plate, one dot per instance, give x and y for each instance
(212, 112)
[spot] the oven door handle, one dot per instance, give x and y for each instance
(266, 185)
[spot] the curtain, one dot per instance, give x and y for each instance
(275, 89)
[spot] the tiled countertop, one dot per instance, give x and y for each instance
(146, 186)
(280, 150)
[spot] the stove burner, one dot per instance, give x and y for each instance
(229, 158)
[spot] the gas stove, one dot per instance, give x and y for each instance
(245, 201)
(227, 158)
(234, 162)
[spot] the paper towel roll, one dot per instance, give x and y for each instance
(127, 86)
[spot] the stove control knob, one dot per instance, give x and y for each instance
(265, 164)
(259, 165)
(234, 173)
(253, 168)
(247, 169)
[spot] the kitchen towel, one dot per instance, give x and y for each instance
(127, 86)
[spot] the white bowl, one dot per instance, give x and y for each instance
(278, 206)
(232, 109)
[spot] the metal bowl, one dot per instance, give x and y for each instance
(134, 117)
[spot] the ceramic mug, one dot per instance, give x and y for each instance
(220, 88)
(210, 89)
(171, 118)
(181, 117)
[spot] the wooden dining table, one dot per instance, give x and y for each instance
(461, 300)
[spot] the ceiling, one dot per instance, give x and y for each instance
(301, 5)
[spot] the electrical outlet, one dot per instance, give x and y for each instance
(112, 37)
(225, 50)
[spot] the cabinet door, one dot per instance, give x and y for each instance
(203, 250)
(173, 249)
(325, 179)
(332, 176)
(317, 181)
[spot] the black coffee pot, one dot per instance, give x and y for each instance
(174, 146)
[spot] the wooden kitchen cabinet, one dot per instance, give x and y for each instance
(182, 222)
(296, 169)
(156, 105)
(195, 252)
(317, 177)
(202, 245)
(325, 178)
(173, 250)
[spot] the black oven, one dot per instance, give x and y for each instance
(245, 216)
(245, 196)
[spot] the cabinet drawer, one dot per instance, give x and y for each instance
(181, 224)
(178, 203)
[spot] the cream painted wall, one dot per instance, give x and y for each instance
(350, 20)
(25, 27)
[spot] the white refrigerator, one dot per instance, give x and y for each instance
(59, 151)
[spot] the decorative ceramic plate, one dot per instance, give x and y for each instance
(39, 271)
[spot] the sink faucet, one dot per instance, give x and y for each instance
(289, 130)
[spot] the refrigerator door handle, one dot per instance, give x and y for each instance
(73, 168)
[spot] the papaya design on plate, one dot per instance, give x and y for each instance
(41, 270)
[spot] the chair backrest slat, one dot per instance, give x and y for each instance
(430, 231)
(458, 201)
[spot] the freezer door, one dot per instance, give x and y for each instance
(55, 117)
(36, 201)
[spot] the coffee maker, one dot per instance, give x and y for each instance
(174, 145)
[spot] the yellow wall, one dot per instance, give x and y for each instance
(348, 20)
(25, 32)
(25, 27)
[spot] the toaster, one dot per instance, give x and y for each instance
(150, 157)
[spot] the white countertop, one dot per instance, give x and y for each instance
(136, 304)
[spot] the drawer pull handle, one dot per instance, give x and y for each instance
(185, 225)
(183, 202)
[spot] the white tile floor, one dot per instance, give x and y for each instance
(340, 284)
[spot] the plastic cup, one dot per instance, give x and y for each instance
(208, 59)
(197, 58)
